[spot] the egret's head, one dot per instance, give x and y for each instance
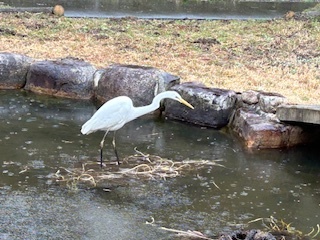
(176, 96)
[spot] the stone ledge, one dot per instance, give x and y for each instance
(299, 113)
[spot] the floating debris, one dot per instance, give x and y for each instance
(185, 234)
(283, 230)
(138, 166)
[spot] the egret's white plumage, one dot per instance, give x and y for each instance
(110, 116)
(115, 113)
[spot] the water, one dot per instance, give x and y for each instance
(227, 9)
(39, 134)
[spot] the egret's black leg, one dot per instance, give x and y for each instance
(101, 157)
(114, 147)
(101, 147)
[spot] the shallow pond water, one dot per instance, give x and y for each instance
(39, 134)
(176, 9)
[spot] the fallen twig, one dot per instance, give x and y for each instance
(188, 233)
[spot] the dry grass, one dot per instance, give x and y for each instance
(278, 56)
(139, 166)
(283, 230)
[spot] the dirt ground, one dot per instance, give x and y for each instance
(279, 55)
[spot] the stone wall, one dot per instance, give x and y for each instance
(251, 114)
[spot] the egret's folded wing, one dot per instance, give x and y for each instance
(110, 117)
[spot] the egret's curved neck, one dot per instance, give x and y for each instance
(139, 111)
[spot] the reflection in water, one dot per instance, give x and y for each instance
(194, 9)
(39, 134)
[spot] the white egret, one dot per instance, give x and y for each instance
(116, 112)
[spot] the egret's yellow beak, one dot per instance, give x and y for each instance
(185, 103)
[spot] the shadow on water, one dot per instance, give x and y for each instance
(39, 134)
(176, 9)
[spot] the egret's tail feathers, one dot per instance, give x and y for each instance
(86, 129)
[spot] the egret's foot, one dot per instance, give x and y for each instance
(116, 163)
(101, 164)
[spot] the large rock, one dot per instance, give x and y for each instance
(250, 97)
(270, 101)
(260, 101)
(212, 106)
(13, 70)
(255, 121)
(247, 235)
(68, 77)
(258, 131)
(139, 83)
